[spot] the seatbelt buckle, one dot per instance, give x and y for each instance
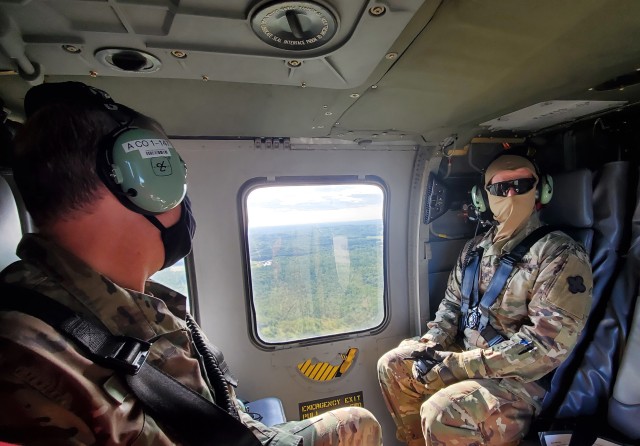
(130, 356)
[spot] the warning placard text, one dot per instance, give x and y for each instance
(310, 409)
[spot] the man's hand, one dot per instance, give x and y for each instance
(424, 361)
(450, 369)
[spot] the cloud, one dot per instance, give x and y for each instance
(303, 204)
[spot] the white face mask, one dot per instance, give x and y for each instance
(511, 212)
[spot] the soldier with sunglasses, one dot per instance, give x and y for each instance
(466, 382)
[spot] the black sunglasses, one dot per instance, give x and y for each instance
(520, 186)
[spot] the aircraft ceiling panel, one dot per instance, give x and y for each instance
(328, 44)
(205, 109)
(479, 60)
(417, 73)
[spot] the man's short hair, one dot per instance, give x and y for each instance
(57, 150)
(55, 159)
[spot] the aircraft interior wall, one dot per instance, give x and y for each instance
(217, 170)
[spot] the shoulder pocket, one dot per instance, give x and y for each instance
(571, 288)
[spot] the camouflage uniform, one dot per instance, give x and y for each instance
(541, 312)
(51, 394)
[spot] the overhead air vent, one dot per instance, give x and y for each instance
(128, 60)
(295, 26)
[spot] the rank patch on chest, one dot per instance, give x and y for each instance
(576, 284)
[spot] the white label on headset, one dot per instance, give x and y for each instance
(148, 148)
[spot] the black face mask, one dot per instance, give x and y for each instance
(177, 239)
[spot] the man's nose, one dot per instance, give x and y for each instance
(511, 192)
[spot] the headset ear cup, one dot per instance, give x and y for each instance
(142, 169)
(109, 173)
(477, 198)
(546, 189)
(154, 176)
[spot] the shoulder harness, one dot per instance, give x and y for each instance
(191, 417)
(474, 311)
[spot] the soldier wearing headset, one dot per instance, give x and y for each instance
(107, 190)
(475, 377)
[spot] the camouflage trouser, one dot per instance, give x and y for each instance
(468, 413)
(346, 426)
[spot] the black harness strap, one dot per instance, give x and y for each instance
(470, 276)
(470, 288)
(193, 418)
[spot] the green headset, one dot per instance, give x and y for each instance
(544, 188)
(140, 166)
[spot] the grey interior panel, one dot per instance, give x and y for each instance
(10, 230)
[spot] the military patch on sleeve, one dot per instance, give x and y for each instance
(576, 284)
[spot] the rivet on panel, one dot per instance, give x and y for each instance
(391, 56)
(71, 49)
(294, 63)
(179, 54)
(354, 95)
(93, 73)
(377, 11)
(205, 77)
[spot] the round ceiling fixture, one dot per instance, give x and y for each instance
(296, 26)
(128, 60)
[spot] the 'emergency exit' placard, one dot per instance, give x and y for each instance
(310, 409)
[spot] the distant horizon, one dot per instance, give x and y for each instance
(268, 242)
(322, 223)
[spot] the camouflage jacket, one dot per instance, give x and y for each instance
(541, 311)
(51, 394)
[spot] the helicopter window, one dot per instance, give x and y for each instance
(315, 260)
(175, 277)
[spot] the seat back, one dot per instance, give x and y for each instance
(586, 377)
(571, 208)
(581, 386)
(624, 405)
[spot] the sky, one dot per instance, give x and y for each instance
(295, 205)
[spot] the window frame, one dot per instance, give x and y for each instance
(190, 270)
(261, 182)
(192, 289)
